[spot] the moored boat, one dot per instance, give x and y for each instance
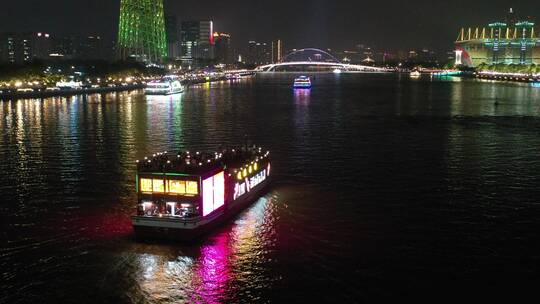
(184, 195)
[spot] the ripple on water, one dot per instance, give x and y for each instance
(386, 188)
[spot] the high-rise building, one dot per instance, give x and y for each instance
(251, 55)
(79, 47)
(259, 53)
(352, 56)
(172, 33)
(65, 46)
(41, 45)
(197, 41)
(223, 47)
(189, 40)
(15, 48)
(510, 42)
(89, 48)
(277, 51)
(364, 52)
(24, 47)
(141, 33)
(427, 56)
(18, 48)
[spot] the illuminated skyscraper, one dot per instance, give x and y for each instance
(21, 48)
(141, 33)
(197, 42)
(277, 51)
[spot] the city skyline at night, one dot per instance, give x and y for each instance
(309, 151)
(322, 24)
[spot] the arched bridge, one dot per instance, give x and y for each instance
(311, 59)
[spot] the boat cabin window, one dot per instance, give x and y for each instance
(171, 209)
(149, 208)
(180, 209)
(179, 187)
(152, 185)
(146, 185)
(192, 188)
(183, 187)
(158, 185)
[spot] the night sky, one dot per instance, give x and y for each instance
(390, 24)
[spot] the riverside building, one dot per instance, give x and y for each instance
(514, 41)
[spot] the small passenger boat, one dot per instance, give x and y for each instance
(302, 82)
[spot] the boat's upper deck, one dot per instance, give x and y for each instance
(200, 163)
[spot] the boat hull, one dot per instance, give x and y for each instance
(155, 228)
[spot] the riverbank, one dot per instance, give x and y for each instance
(515, 77)
(14, 95)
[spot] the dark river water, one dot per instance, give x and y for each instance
(387, 188)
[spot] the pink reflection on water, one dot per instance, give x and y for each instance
(302, 96)
(218, 265)
(218, 269)
(213, 271)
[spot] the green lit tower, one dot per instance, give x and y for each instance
(141, 33)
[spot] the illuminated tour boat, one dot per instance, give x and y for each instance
(184, 195)
(302, 82)
(415, 74)
(167, 85)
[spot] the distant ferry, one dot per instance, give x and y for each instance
(69, 84)
(184, 195)
(302, 82)
(446, 73)
(415, 74)
(165, 86)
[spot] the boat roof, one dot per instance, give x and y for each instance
(200, 163)
(170, 77)
(166, 78)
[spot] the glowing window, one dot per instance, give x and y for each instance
(208, 196)
(219, 190)
(213, 193)
(191, 188)
(176, 186)
(171, 209)
(158, 185)
(146, 185)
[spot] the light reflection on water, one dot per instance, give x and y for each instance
(408, 185)
(301, 96)
(208, 274)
